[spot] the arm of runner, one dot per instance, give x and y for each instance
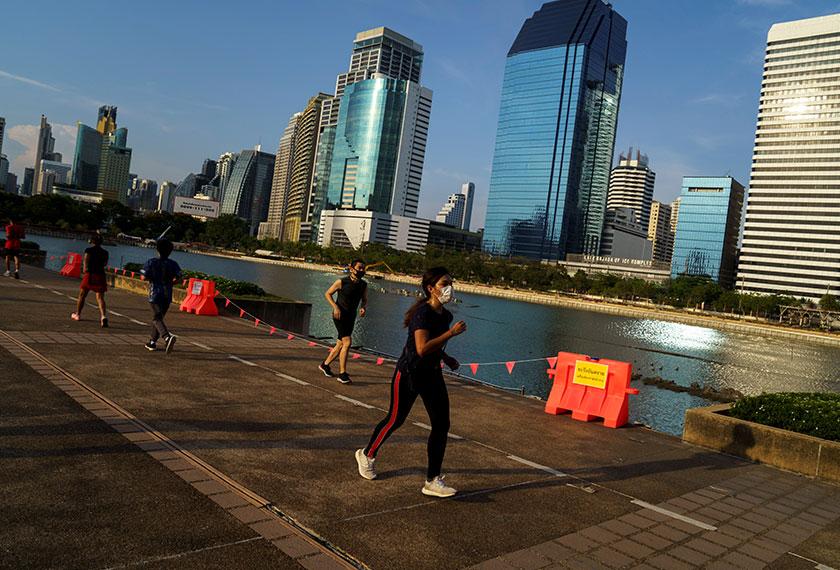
(85, 262)
(363, 309)
(336, 312)
(425, 345)
(451, 362)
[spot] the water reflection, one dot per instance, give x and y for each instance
(504, 330)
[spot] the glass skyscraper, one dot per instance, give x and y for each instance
(86, 158)
(556, 132)
(248, 189)
(706, 243)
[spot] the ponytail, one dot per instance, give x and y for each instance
(430, 279)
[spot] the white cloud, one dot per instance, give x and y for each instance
(765, 3)
(725, 99)
(28, 81)
(27, 137)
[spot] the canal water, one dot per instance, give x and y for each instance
(502, 330)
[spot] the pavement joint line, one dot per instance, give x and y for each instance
(234, 486)
(136, 322)
(242, 360)
(674, 515)
(354, 402)
(199, 345)
(292, 379)
(537, 466)
(817, 565)
(182, 554)
(116, 314)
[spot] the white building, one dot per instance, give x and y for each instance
(659, 231)
(623, 237)
(791, 242)
(457, 211)
(631, 185)
(166, 196)
(352, 228)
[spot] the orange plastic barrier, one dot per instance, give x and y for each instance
(200, 298)
(590, 388)
(73, 266)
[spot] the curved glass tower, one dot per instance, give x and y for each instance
(556, 132)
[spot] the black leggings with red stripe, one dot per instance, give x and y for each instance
(404, 391)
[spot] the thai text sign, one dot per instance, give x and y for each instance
(193, 207)
(590, 374)
(197, 287)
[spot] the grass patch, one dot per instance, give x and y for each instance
(807, 413)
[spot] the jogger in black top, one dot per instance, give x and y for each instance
(351, 291)
(418, 373)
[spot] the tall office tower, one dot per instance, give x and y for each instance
(224, 166)
(248, 189)
(45, 150)
(457, 211)
(4, 172)
(675, 214)
(272, 227)
(114, 166)
(377, 123)
(11, 183)
(166, 196)
(106, 122)
(631, 185)
(297, 222)
(556, 132)
(208, 168)
(2, 132)
(28, 182)
(706, 242)
(86, 158)
(791, 243)
(659, 231)
(623, 237)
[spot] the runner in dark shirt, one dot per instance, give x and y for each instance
(352, 290)
(161, 273)
(14, 233)
(418, 373)
(93, 279)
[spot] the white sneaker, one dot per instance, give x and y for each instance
(366, 465)
(7, 274)
(437, 487)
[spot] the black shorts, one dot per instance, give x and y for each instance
(12, 252)
(344, 325)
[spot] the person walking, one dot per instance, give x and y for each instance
(161, 273)
(418, 373)
(351, 291)
(14, 233)
(93, 270)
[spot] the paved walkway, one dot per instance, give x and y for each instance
(235, 451)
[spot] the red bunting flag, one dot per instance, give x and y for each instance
(380, 361)
(132, 275)
(356, 356)
(552, 361)
(290, 337)
(184, 283)
(272, 331)
(52, 258)
(227, 302)
(312, 343)
(241, 313)
(124, 272)
(142, 277)
(256, 323)
(509, 365)
(474, 368)
(441, 363)
(61, 257)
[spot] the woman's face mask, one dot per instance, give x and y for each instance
(445, 294)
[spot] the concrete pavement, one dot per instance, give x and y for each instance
(236, 443)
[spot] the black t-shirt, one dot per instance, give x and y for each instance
(97, 260)
(350, 295)
(426, 318)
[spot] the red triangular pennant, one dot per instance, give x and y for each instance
(272, 331)
(356, 356)
(257, 323)
(132, 275)
(142, 278)
(380, 361)
(552, 361)
(241, 313)
(474, 368)
(227, 302)
(290, 337)
(509, 365)
(312, 343)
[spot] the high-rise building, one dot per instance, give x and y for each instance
(248, 189)
(51, 172)
(624, 237)
(2, 132)
(28, 182)
(143, 195)
(224, 166)
(86, 158)
(372, 139)
(208, 168)
(106, 122)
(114, 165)
(675, 214)
(706, 242)
(556, 132)
(631, 186)
(11, 183)
(4, 172)
(791, 243)
(44, 150)
(166, 196)
(272, 227)
(659, 231)
(457, 211)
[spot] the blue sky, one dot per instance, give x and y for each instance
(193, 79)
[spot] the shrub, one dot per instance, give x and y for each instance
(225, 286)
(808, 413)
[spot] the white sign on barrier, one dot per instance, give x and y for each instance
(193, 207)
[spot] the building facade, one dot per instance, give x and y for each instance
(457, 211)
(114, 166)
(352, 228)
(706, 242)
(659, 232)
(556, 132)
(86, 158)
(166, 196)
(248, 190)
(631, 186)
(2, 132)
(624, 237)
(450, 238)
(44, 150)
(28, 182)
(791, 243)
(272, 227)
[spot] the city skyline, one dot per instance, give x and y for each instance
(179, 120)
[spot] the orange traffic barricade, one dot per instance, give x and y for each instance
(590, 388)
(201, 297)
(73, 266)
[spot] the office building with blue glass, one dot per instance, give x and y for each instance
(706, 242)
(248, 190)
(556, 132)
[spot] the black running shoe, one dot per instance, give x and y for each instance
(344, 378)
(170, 343)
(17, 275)
(103, 322)
(150, 346)
(325, 368)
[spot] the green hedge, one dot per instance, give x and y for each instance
(808, 413)
(225, 286)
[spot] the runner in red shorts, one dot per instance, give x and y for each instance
(94, 264)
(14, 233)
